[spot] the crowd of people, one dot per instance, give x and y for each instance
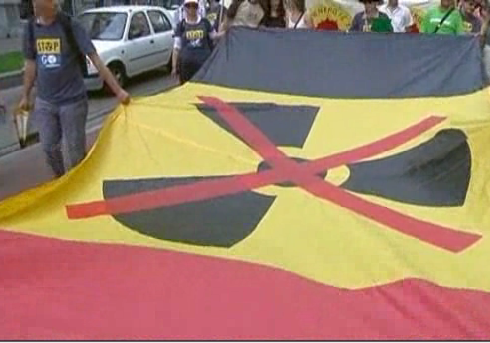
(201, 23)
(55, 48)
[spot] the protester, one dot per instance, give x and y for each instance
(481, 10)
(215, 12)
(400, 16)
(443, 19)
(371, 19)
(248, 13)
(194, 37)
(277, 16)
(296, 15)
(471, 23)
(55, 47)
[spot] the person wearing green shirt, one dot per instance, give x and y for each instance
(452, 24)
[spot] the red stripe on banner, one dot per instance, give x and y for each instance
(54, 289)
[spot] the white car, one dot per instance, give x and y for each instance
(129, 39)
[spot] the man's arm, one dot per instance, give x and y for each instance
(175, 55)
(175, 58)
(355, 24)
(107, 76)
(29, 78)
(212, 32)
(409, 19)
(179, 31)
(484, 30)
(223, 25)
(30, 67)
(86, 46)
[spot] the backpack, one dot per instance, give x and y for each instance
(65, 22)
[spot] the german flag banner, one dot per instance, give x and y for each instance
(305, 185)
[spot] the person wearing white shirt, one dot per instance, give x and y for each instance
(400, 16)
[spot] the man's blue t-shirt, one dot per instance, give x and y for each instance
(59, 76)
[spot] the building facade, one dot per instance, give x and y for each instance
(10, 23)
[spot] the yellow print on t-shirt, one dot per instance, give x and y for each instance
(194, 34)
(212, 16)
(48, 46)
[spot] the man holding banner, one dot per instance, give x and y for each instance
(55, 49)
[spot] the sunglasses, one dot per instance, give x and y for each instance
(192, 5)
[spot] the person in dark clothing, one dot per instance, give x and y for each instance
(471, 23)
(277, 16)
(371, 19)
(215, 12)
(55, 48)
(194, 37)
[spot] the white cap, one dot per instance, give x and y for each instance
(191, 2)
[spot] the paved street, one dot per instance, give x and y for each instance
(24, 169)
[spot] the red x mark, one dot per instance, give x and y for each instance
(285, 169)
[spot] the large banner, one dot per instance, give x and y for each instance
(338, 14)
(253, 203)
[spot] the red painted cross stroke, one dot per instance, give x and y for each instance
(285, 169)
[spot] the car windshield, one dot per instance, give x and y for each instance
(104, 25)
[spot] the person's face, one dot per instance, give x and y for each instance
(275, 4)
(290, 5)
(447, 3)
(191, 8)
(44, 7)
(468, 6)
(370, 6)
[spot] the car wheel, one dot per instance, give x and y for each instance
(119, 74)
